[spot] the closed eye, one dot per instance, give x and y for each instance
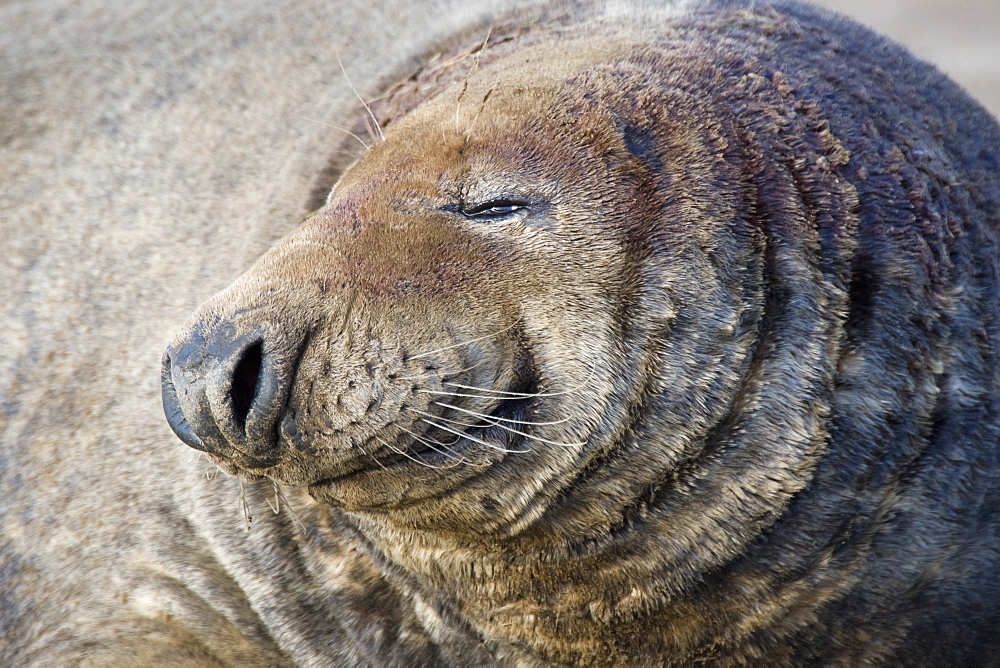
(493, 210)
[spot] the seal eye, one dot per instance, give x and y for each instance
(497, 209)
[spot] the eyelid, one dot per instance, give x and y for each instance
(496, 208)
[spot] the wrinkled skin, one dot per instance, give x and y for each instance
(742, 335)
(403, 300)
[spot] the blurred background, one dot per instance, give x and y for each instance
(961, 37)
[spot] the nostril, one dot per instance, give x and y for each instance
(246, 378)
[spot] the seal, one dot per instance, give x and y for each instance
(644, 340)
(650, 333)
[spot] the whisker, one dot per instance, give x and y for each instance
(275, 124)
(482, 105)
(246, 506)
(451, 373)
(375, 459)
(410, 457)
(493, 446)
(279, 495)
(494, 421)
(464, 343)
(523, 395)
(458, 102)
(373, 134)
(425, 438)
(532, 437)
(337, 127)
(276, 506)
(441, 417)
(358, 95)
(446, 393)
(465, 82)
(445, 452)
(493, 417)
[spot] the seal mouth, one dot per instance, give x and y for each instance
(489, 432)
(247, 471)
(449, 440)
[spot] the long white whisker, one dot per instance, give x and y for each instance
(358, 95)
(465, 83)
(450, 455)
(481, 396)
(280, 496)
(410, 457)
(522, 395)
(537, 438)
(425, 438)
(493, 446)
(450, 373)
(527, 423)
(493, 421)
(372, 456)
(463, 343)
(472, 125)
(276, 506)
(246, 506)
(505, 392)
(337, 127)
(458, 103)
(441, 417)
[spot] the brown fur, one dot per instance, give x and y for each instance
(747, 311)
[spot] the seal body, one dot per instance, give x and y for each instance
(667, 335)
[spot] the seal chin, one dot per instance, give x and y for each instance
(428, 467)
(248, 474)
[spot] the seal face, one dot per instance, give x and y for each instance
(663, 333)
(453, 320)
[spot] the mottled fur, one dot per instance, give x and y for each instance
(755, 275)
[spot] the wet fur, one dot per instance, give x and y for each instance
(763, 290)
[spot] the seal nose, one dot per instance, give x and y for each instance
(224, 392)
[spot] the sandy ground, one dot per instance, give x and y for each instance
(962, 37)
